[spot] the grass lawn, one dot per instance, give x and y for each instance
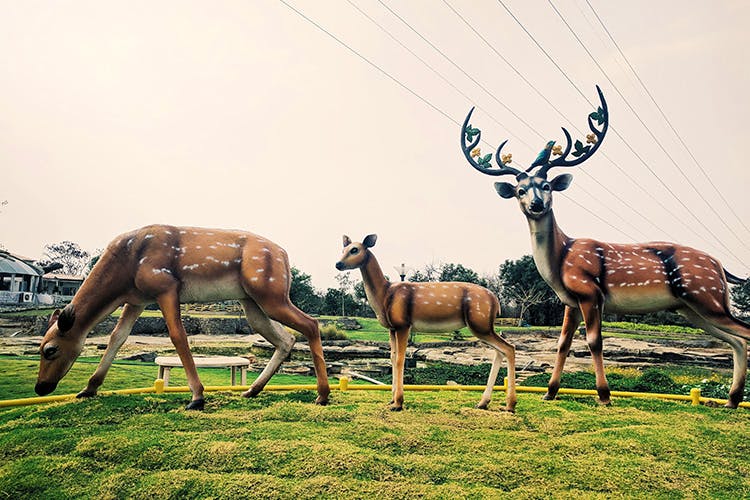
(279, 445)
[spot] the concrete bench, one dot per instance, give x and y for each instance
(166, 363)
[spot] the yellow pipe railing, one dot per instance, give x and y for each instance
(158, 388)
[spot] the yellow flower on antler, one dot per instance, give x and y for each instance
(591, 139)
(476, 152)
(506, 158)
(557, 150)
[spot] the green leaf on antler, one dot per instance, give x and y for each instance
(580, 149)
(598, 115)
(471, 132)
(485, 160)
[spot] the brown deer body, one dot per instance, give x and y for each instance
(168, 265)
(591, 276)
(429, 307)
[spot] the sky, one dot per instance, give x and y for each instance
(246, 115)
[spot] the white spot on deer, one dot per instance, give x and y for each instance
(210, 234)
(190, 267)
(629, 272)
(212, 247)
(584, 281)
(610, 285)
(167, 231)
(142, 260)
(266, 250)
(426, 302)
(438, 303)
(713, 288)
(623, 284)
(225, 263)
(198, 247)
(148, 236)
(162, 270)
(237, 261)
(271, 279)
(611, 271)
(130, 242)
(259, 270)
(255, 257)
(432, 294)
(569, 264)
(279, 259)
(254, 278)
(183, 231)
(212, 258)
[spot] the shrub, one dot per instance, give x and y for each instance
(327, 332)
(440, 373)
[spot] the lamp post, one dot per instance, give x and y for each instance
(401, 270)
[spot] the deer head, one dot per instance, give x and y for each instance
(532, 189)
(60, 347)
(356, 254)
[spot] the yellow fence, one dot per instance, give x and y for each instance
(158, 388)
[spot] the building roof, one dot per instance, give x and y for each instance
(62, 277)
(10, 264)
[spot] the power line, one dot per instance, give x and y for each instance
(638, 156)
(666, 119)
(651, 133)
(394, 79)
(442, 77)
(435, 71)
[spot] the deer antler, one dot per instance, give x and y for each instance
(484, 164)
(582, 153)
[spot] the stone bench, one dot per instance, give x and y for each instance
(166, 363)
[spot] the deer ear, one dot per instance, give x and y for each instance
(67, 318)
(53, 317)
(505, 189)
(347, 241)
(561, 182)
(370, 240)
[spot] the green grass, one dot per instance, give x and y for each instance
(279, 445)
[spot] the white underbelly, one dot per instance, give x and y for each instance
(634, 302)
(227, 288)
(437, 326)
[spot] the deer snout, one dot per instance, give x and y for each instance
(537, 205)
(340, 266)
(44, 388)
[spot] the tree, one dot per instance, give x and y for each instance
(457, 272)
(741, 298)
(72, 257)
(523, 285)
(345, 284)
(303, 294)
(430, 272)
(333, 299)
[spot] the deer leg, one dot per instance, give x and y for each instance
(121, 331)
(570, 324)
(169, 304)
(592, 316)
(501, 346)
(288, 314)
(402, 339)
(272, 332)
(394, 348)
(739, 352)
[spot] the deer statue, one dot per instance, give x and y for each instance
(590, 276)
(168, 265)
(429, 307)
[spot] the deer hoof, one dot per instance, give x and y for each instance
(196, 404)
(481, 406)
(86, 394)
(604, 403)
(549, 397)
(395, 408)
(507, 409)
(251, 393)
(321, 401)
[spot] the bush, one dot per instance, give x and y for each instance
(651, 380)
(440, 373)
(327, 332)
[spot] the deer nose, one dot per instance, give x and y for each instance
(537, 205)
(340, 266)
(44, 388)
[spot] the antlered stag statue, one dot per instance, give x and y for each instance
(591, 276)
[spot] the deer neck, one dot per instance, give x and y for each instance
(101, 293)
(376, 285)
(549, 244)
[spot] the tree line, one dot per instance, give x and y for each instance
(522, 292)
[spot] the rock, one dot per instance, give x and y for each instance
(147, 357)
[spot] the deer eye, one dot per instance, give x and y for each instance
(49, 351)
(521, 192)
(354, 251)
(546, 187)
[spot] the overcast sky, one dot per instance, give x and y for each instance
(114, 115)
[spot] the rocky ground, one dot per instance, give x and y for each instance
(534, 351)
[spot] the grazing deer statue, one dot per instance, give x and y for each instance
(168, 265)
(589, 276)
(429, 307)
